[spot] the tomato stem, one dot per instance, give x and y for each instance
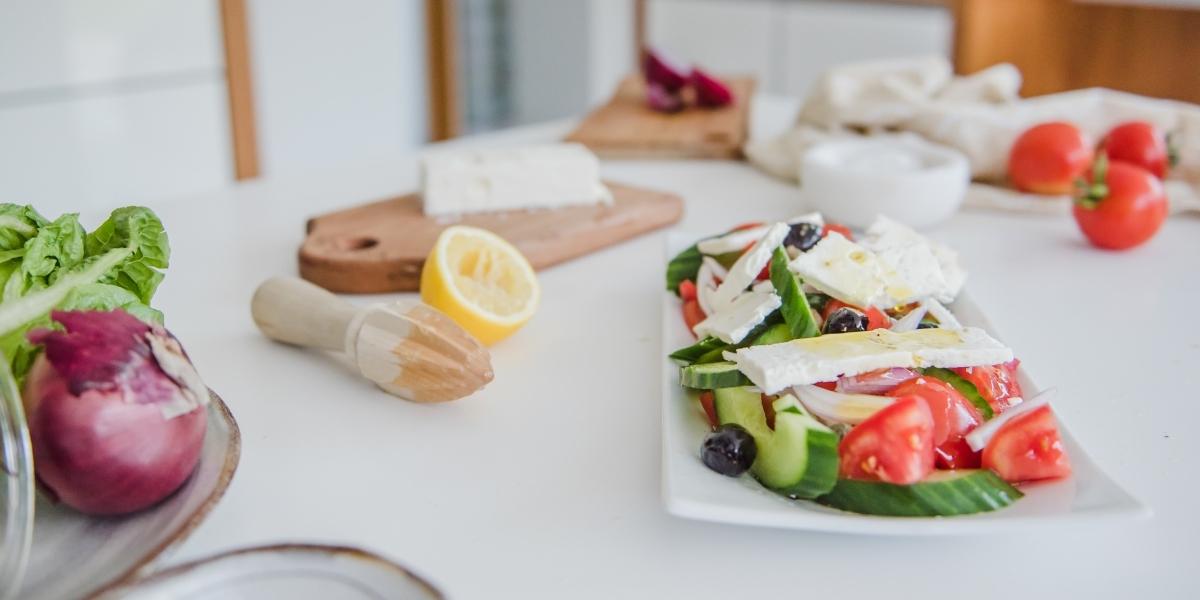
(1090, 194)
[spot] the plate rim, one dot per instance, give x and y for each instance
(119, 588)
(855, 524)
(228, 469)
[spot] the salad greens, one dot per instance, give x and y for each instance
(47, 265)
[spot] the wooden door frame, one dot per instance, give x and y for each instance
(441, 50)
(239, 88)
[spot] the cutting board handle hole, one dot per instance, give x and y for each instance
(351, 244)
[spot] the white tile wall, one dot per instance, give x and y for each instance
(724, 37)
(336, 81)
(66, 43)
(115, 149)
(820, 35)
(787, 44)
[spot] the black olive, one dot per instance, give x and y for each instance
(803, 236)
(730, 450)
(845, 320)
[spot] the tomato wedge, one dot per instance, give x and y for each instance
(748, 225)
(842, 229)
(894, 445)
(876, 319)
(707, 402)
(953, 417)
(692, 313)
(997, 384)
(687, 290)
(1028, 448)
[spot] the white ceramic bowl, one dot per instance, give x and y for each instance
(902, 176)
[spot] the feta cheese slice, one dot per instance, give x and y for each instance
(749, 265)
(806, 361)
(842, 269)
(736, 241)
(732, 323)
(455, 182)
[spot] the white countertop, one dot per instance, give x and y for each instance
(546, 484)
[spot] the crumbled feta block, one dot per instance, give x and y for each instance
(455, 182)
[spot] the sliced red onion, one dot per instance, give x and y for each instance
(836, 407)
(946, 319)
(710, 91)
(911, 321)
(980, 436)
(660, 71)
(875, 382)
(661, 99)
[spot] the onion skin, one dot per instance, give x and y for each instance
(101, 455)
(115, 410)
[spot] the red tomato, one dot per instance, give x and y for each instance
(692, 313)
(957, 455)
(829, 385)
(1048, 158)
(1028, 448)
(996, 383)
(687, 290)
(876, 319)
(1126, 211)
(953, 417)
(710, 409)
(1139, 143)
(842, 229)
(893, 445)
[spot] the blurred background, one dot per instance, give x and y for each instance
(125, 101)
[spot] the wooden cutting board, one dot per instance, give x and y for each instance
(381, 247)
(626, 128)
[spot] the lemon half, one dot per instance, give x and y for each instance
(481, 281)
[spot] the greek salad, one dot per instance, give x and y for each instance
(828, 366)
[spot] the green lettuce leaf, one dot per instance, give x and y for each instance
(60, 266)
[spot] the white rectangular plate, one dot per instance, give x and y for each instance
(693, 491)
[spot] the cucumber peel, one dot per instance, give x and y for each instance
(942, 494)
(711, 376)
(796, 312)
(964, 387)
(798, 458)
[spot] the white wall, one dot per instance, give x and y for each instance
(336, 81)
(568, 55)
(109, 103)
(788, 44)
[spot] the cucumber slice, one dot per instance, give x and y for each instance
(796, 312)
(798, 458)
(770, 331)
(700, 348)
(942, 494)
(685, 265)
(775, 334)
(964, 387)
(712, 376)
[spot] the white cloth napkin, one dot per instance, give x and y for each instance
(980, 115)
